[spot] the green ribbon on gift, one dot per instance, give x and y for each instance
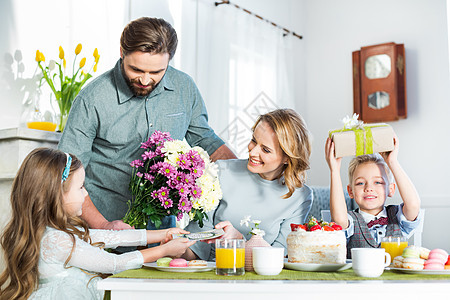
(363, 137)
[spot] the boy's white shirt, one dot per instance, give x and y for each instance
(378, 231)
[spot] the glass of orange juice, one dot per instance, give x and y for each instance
(394, 245)
(230, 257)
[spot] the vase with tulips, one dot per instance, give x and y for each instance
(65, 87)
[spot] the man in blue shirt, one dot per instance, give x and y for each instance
(120, 109)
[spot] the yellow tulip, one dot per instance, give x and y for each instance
(39, 56)
(78, 49)
(97, 58)
(82, 62)
(61, 52)
(95, 68)
(95, 52)
(64, 63)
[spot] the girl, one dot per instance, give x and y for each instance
(269, 185)
(49, 250)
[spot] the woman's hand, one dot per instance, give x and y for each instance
(333, 163)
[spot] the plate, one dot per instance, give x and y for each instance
(210, 266)
(200, 236)
(317, 267)
(422, 272)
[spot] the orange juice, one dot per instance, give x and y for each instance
(49, 126)
(225, 258)
(394, 248)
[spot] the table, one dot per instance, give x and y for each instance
(152, 288)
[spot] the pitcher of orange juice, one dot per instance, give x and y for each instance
(230, 257)
(394, 245)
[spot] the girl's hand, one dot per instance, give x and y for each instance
(333, 163)
(230, 231)
(177, 247)
(171, 231)
(392, 157)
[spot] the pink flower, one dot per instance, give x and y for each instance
(167, 203)
(148, 155)
(149, 177)
(139, 174)
(179, 216)
(196, 191)
(137, 163)
(184, 205)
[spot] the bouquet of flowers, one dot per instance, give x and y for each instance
(65, 87)
(171, 179)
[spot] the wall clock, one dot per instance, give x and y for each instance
(379, 83)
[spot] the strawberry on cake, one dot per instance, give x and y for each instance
(316, 243)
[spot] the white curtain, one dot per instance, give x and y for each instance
(243, 67)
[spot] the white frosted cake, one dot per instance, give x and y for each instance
(317, 247)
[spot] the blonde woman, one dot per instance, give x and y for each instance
(269, 185)
(49, 251)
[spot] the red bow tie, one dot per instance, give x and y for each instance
(381, 221)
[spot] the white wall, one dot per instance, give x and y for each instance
(336, 28)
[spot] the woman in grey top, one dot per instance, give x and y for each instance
(269, 185)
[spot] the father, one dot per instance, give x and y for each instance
(120, 109)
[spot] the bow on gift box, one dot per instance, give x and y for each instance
(363, 133)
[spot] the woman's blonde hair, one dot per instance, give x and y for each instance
(294, 140)
(36, 202)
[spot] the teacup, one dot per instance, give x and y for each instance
(369, 262)
(268, 260)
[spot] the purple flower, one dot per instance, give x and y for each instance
(184, 205)
(149, 177)
(139, 174)
(165, 169)
(179, 216)
(183, 190)
(163, 193)
(137, 163)
(167, 203)
(184, 161)
(196, 191)
(156, 138)
(148, 155)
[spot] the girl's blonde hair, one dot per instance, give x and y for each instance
(368, 158)
(294, 140)
(36, 202)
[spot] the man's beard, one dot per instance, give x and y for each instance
(138, 91)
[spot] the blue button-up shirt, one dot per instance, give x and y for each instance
(107, 124)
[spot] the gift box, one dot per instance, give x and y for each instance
(363, 139)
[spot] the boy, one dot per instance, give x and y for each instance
(370, 183)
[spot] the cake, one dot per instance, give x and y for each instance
(320, 243)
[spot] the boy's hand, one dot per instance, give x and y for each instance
(333, 163)
(391, 157)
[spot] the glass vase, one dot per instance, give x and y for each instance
(33, 117)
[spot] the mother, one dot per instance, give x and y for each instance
(269, 185)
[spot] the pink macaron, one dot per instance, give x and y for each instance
(433, 264)
(438, 254)
(178, 262)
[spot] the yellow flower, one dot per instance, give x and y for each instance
(95, 53)
(97, 58)
(61, 52)
(78, 49)
(82, 62)
(64, 63)
(95, 68)
(39, 56)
